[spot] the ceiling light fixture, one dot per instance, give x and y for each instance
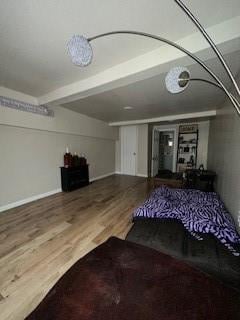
(128, 108)
(178, 79)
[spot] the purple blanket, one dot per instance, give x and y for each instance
(200, 212)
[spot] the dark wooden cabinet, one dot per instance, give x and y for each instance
(74, 178)
(201, 180)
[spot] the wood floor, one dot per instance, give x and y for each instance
(41, 240)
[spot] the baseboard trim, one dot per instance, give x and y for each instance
(47, 194)
(142, 175)
(102, 176)
(137, 175)
(27, 200)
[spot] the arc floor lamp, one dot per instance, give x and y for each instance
(178, 78)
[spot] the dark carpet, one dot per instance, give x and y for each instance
(120, 280)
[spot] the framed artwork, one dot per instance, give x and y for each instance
(189, 128)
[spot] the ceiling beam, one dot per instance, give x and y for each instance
(184, 116)
(146, 65)
(5, 92)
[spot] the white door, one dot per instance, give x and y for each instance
(128, 138)
(155, 152)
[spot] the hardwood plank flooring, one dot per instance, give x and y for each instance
(40, 241)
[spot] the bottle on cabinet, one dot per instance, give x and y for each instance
(68, 159)
(74, 160)
(82, 160)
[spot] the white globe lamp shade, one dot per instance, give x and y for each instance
(80, 51)
(177, 79)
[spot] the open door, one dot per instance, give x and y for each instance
(155, 152)
(164, 150)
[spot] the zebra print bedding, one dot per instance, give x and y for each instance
(199, 212)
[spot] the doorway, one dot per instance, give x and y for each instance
(163, 150)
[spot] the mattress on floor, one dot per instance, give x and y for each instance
(169, 236)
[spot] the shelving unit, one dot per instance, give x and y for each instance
(187, 147)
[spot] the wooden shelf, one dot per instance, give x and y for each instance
(191, 153)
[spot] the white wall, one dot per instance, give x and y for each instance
(224, 157)
(203, 138)
(32, 148)
(118, 155)
(64, 121)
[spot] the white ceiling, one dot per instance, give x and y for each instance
(34, 60)
(149, 98)
(33, 35)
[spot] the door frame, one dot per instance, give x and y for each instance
(136, 150)
(175, 145)
(152, 155)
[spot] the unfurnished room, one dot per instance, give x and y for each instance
(120, 160)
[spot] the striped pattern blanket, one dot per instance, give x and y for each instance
(200, 212)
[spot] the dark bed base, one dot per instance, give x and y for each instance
(169, 236)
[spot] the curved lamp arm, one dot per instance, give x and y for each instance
(210, 41)
(218, 86)
(199, 61)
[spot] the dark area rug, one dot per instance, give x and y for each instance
(120, 280)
